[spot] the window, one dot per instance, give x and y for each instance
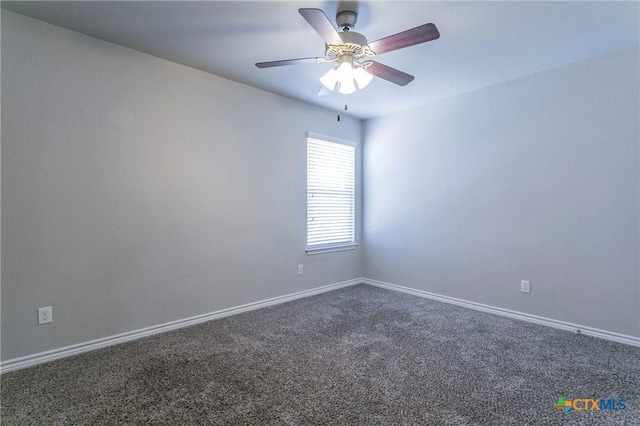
(330, 194)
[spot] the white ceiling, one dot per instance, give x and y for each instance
(481, 43)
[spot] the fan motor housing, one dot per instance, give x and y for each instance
(350, 37)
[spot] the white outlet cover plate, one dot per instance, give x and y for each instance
(45, 315)
(524, 286)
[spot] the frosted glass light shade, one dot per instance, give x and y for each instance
(363, 78)
(330, 79)
(345, 77)
(347, 86)
(345, 72)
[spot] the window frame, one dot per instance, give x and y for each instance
(332, 247)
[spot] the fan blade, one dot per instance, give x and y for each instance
(390, 74)
(319, 21)
(417, 35)
(323, 91)
(288, 62)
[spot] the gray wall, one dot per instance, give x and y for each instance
(136, 191)
(534, 179)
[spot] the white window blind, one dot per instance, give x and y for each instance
(330, 194)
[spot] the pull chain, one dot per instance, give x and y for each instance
(345, 106)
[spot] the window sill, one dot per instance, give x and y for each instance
(320, 250)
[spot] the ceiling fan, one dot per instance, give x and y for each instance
(351, 51)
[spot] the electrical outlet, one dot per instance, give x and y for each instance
(45, 315)
(300, 269)
(524, 286)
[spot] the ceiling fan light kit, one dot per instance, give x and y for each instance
(344, 76)
(352, 52)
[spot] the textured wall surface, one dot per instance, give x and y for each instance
(136, 191)
(535, 179)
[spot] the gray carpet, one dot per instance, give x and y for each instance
(359, 355)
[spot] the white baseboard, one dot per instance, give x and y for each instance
(576, 328)
(52, 355)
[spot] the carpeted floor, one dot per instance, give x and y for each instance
(355, 356)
